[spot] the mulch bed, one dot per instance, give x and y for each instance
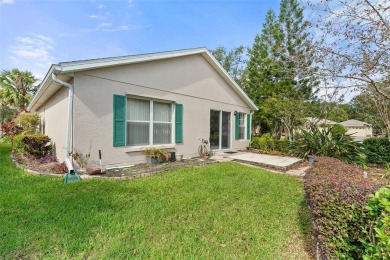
(136, 171)
(143, 170)
(32, 164)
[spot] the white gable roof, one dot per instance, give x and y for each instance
(353, 122)
(64, 71)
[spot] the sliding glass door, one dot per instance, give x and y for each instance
(220, 130)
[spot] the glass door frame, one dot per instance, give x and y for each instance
(220, 130)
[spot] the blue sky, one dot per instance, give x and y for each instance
(34, 34)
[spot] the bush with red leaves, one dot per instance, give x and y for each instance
(338, 195)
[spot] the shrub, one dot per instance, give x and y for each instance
(59, 168)
(28, 122)
(5, 140)
(282, 145)
(376, 235)
(377, 150)
(338, 194)
(266, 144)
(328, 142)
(17, 143)
(37, 145)
(11, 130)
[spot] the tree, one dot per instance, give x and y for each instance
(6, 111)
(233, 61)
(280, 69)
(372, 108)
(353, 43)
(18, 87)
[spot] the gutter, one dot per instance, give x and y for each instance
(68, 162)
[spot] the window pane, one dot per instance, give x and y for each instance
(241, 126)
(138, 109)
(162, 133)
(162, 112)
(241, 132)
(137, 133)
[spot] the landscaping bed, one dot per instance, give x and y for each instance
(144, 169)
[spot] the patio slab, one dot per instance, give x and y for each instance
(281, 163)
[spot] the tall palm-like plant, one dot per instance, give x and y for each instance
(18, 87)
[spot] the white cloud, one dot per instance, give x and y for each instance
(100, 6)
(94, 16)
(131, 3)
(35, 52)
(6, 1)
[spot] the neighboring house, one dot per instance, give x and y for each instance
(124, 105)
(319, 122)
(309, 121)
(357, 129)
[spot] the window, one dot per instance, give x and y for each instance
(241, 126)
(148, 122)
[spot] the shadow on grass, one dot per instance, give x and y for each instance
(306, 228)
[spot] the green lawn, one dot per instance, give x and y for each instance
(220, 211)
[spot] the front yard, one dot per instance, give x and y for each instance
(219, 211)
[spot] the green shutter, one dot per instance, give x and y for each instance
(248, 126)
(178, 123)
(119, 120)
(237, 133)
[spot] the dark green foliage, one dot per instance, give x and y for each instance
(17, 143)
(328, 142)
(377, 150)
(376, 235)
(338, 194)
(233, 61)
(266, 144)
(281, 70)
(36, 145)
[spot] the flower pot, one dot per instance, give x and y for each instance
(311, 158)
(151, 160)
(179, 157)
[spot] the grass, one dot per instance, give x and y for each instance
(219, 211)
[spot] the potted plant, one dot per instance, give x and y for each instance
(155, 156)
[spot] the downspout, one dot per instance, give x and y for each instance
(68, 162)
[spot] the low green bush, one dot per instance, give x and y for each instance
(17, 143)
(28, 122)
(267, 144)
(5, 140)
(282, 145)
(376, 234)
(377, 150)
(338, 194)
(36, 145)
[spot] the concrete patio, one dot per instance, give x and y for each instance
(279, 163)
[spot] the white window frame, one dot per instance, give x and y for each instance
(151, 121)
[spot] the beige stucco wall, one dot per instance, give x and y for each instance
(53, 115)
(189, 80)
(359, 131)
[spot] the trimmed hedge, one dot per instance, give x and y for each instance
(377, 150)
(338, 194)
(266, 143)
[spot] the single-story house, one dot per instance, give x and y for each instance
(125, 105)
(319, 122)
(357, 129)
